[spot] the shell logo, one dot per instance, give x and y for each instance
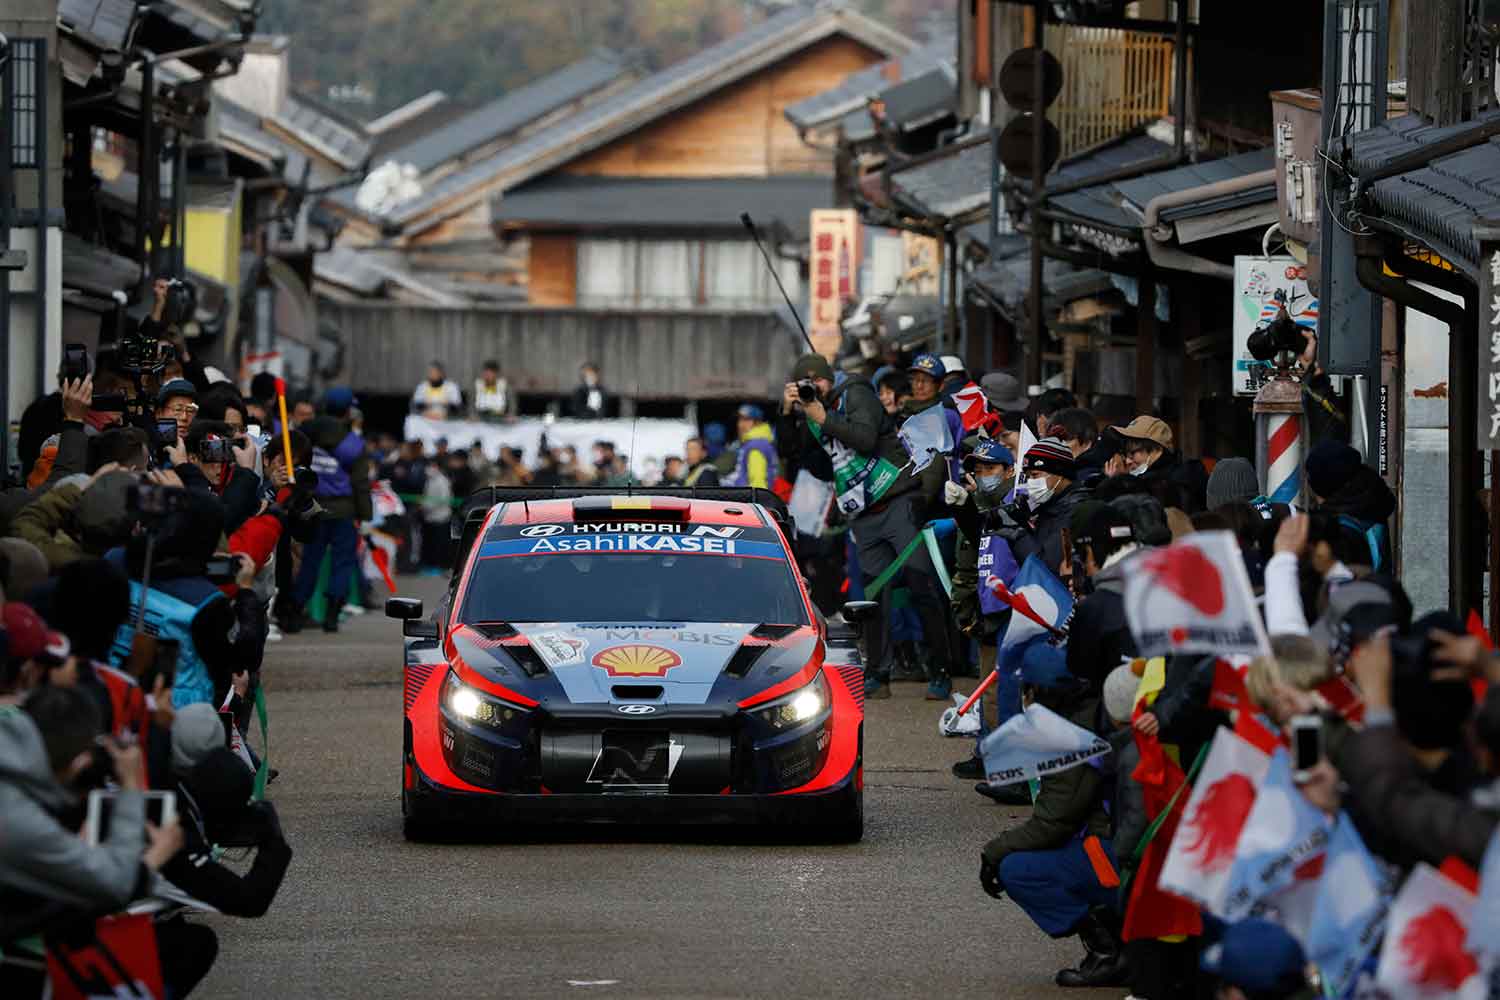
(636, 660)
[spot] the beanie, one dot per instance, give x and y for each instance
(1050, 455)
(1233, 481)
(1330, 465)
(812, 366)
(196, 731)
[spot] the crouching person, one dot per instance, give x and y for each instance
(1059, 865)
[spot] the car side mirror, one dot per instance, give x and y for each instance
(859, 612)
(409, 611)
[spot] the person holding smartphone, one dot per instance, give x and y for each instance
(49, 754)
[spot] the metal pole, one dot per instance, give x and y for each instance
(7, 89)
(145, 154)
(994, 236)
(1180, 54)
(43, 133)
(1038, 196)
(179, 208)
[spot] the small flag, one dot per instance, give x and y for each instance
(1282, 832)
(1353, 900)
(1202, 851)
(1035, 743)
(1193, 596)
(926, 435)
(1424, 954)
(995, 560)
(971, 406)
(1484, 924)
(1151, 912)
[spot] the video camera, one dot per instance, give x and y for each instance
(181, 304)
(1280, 336)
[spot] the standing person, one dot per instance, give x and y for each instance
(926, 377)
(700, 471)
(715, 439)
(672, 471)
(178, 401)
(1342, 486)
(955, 375)
(437, 511)
(589, 400)
(438, 398)
(1149, 454)
(756, 463)
(343, 490)
(1052, 493)
(841, 436)
(494, 402)
(893, 388)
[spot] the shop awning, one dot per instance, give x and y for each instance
(1006, 283)
(922, 100)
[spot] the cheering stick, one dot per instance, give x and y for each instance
(749, 225)
(286, 434)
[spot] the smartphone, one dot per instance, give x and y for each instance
(75, 363)
(220, 569)
(161, 809)
(163, 664)
(216, 451)
(166, 433)
(1307, 744)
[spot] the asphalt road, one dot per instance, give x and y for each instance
(600, 911)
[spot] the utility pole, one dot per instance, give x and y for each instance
(1034, 334)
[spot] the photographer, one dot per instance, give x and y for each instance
(48, 759)
(63, 451)
(72, 521)
(217, 636)
(213, 793)
(218, 463)
(837, 434)
(343, 490)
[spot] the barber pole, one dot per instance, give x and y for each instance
(1278, 447)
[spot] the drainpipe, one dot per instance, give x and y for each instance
(1157, 233)
(1463, 587)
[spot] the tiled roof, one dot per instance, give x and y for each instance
(948, 185)
(859, 87)
(1121, 204)
(1439, 204)
(338, 141)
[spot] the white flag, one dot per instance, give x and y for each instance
(1035, 743)
(926, 435)
(1424, 954)
(1203, 848)
(1193, 596)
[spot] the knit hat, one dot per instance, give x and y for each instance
(28, 567)
(1233, 481)
(1004, 393)
(338, 400)
(1153, 429)
(812, 366)
(882, 373)
(1259, 957)
(196, 730)
(1052, 456)
(1078, 523)
(1119, 693)
(927, 364)
(1330, 465)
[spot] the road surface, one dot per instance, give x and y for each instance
(605, 912)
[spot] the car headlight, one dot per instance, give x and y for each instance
(801, 706)
(472, 706)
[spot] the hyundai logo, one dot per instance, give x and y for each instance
(636, 709)
(541, 530)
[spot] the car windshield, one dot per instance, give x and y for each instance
(579, 574)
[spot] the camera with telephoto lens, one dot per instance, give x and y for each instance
(807, 390)
(139, 354)
(301, 503)
(148, 500)
(1280, 336)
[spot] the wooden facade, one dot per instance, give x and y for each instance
(742, 130)
(552, 269)
(648, 355)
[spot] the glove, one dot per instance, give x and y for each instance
(954, 495)
(989, 878)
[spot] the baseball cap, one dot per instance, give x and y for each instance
(176, 387)
(751, 412)
(1257, 956)
(952, 363)
(990, 450)
(29, 637)
(927, 364)
(1153, 429)
(338, 400)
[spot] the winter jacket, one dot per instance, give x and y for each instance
(1400, 815)
(1128, 807)
(1182, 707)
(42, 858)
(72, 459)
(1069, 802)
(703, 474)
(969, 517)
(240, 496)
(45, 522)
(755, 463)
(1044, 536)
(855, 418)
(1364, 507)
(1187, 475)
(343, 470)
(1099, 639)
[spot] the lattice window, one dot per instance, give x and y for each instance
(24, 81)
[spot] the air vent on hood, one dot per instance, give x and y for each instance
(743, 659)
(637, 692)
(527, 659)
(494, 630)
(773, 632)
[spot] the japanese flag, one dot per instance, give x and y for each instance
(1203, 849)
(1282, 836)
(971, 405)
(1034, 743)
(1425, 954)
(1353, 899)
(1193, 596)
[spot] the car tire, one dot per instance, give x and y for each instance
(416, 826)
(848, 826)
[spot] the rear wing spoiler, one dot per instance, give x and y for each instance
(465, 527)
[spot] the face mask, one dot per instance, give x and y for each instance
(436, 383)
(990, 483)
(1037, 491)
(1139, 470)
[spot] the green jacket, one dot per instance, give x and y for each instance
(1069, 802)
(45, 522)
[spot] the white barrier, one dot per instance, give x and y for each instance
(647, 441)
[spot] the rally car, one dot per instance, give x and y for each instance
(637, 658)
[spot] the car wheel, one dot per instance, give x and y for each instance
(848, 826)
(416, 827)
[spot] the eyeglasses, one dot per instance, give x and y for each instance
(181, 409)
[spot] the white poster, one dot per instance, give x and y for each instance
(1256, 282)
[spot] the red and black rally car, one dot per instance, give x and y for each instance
(639, 658)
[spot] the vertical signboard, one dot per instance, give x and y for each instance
(921, 255)
(1488, 235)
(1256, 282)
(834, 270)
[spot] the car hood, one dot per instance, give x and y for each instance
(611, 662)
